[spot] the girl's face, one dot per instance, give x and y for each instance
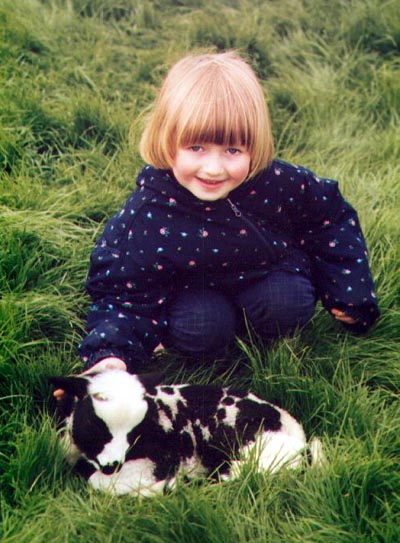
(211, 171)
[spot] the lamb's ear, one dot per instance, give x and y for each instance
(150, 380)
(75, 386)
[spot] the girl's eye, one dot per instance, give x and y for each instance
(233, 151)
(195, 148)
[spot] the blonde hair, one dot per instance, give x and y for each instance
(213, 98)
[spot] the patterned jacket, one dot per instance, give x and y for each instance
(164, 238)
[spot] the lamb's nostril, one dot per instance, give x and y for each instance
(109, 469)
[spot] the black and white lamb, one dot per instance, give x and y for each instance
(129, 434)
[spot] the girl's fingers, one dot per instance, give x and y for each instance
(343, 317)
(110, 363)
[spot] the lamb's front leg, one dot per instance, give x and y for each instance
(134, 477)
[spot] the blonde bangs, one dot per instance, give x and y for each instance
(214, 116)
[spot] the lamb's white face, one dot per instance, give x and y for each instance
(118, 399)
(107, 406)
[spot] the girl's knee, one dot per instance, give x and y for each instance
(295, 304)
(200, 322)
(280, 305)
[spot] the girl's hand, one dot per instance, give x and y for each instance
(111, 363)
(343, 317)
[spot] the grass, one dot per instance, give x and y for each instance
(73, 75)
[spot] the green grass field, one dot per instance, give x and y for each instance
(74, 75)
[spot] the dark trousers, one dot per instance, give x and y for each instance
(205, 321)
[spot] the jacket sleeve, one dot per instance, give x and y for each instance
(128, 293)
(328, 229)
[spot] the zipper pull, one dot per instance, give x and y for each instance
(235, 209)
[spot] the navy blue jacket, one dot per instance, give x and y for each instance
(164, 238)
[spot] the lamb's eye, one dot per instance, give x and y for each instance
(99, 396)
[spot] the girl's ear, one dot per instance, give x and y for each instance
(75, 386)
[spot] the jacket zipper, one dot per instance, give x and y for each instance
(265, 242)
(235, 209)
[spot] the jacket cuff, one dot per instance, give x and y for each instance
(365, 319)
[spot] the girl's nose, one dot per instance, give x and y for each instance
(213, 166)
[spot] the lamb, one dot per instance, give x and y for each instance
(128, 433)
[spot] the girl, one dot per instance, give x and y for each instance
(219, 232)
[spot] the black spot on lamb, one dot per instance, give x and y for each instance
(129, 434)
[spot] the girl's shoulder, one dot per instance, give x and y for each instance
(149, 183)
(289, 175)
(280, 167)
(149, 176)
(280, 177)
(121, 222)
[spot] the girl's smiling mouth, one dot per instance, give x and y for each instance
(210, 182)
